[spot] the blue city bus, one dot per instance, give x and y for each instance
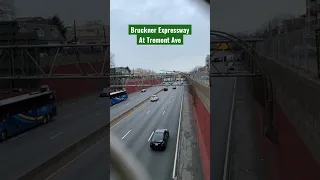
(23, 112)
(118, 96)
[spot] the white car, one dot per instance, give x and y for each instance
(143, 90)
(154, 98)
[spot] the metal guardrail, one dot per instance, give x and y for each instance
(297, 48)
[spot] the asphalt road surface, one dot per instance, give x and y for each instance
(134, 98)
(75, 121)
(134, 131)
(221, 91)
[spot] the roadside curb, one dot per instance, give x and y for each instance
(52, 165)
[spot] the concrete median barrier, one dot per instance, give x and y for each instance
(52, 165)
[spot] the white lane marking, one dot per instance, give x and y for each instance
(169, 102)
(18, 136)
(158, 102)
(126, 134)
(73, 160)
(177, 143)
(226, 159)
(150, 136)
(98, 114)
(68, 115)
(163, 112)
(126, 117)
(148, 112)
(54, 136)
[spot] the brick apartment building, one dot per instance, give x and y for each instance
(29, 30)
(92, 32)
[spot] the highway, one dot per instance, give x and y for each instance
(134, 131)
(134, 98)
(221, 92)
(75, 121)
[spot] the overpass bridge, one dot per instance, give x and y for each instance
(273, 113)
(80, 134)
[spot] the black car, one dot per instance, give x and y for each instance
(165, 89)
(159, 139)
(174, 87)
(104, 93)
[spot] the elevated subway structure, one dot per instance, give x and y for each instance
(229, 82)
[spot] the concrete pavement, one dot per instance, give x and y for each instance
(246, 158)
(74, 122)
(189, 166)
(134, 131)
(220, 107)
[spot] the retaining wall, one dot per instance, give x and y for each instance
(72, 88)
(132, 89)
(200, 99)
(297, 122)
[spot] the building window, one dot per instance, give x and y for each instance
(23, 29)
(54, 33)
(40, 32)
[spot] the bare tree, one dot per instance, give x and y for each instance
(273, 26)
(112, 61)
(6, 10)
(141, 71)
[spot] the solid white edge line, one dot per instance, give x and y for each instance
(75, 159)
(177, 144)
(226, 159)
(150, 136)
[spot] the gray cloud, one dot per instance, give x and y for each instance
(182, 58)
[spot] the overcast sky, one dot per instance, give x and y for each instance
(180, 58)
(248, 15)
(68, 10)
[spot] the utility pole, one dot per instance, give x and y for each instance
(104, 34)
(75, 31)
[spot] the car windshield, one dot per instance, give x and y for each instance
(105, 90)
(158, 136)
(153, 96)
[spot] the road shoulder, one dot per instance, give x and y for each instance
(189, 165)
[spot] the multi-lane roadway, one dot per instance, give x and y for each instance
(134, 132)
(75, 121)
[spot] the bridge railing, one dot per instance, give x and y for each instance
(297, 48)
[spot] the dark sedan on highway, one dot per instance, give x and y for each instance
(159, 139)
(104, 92)
(165, 89)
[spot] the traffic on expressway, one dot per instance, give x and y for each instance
(78, 118)
(136, 131)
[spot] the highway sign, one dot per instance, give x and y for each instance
(222, 46)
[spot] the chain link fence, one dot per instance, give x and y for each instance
(200, 76)
(297, 49)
